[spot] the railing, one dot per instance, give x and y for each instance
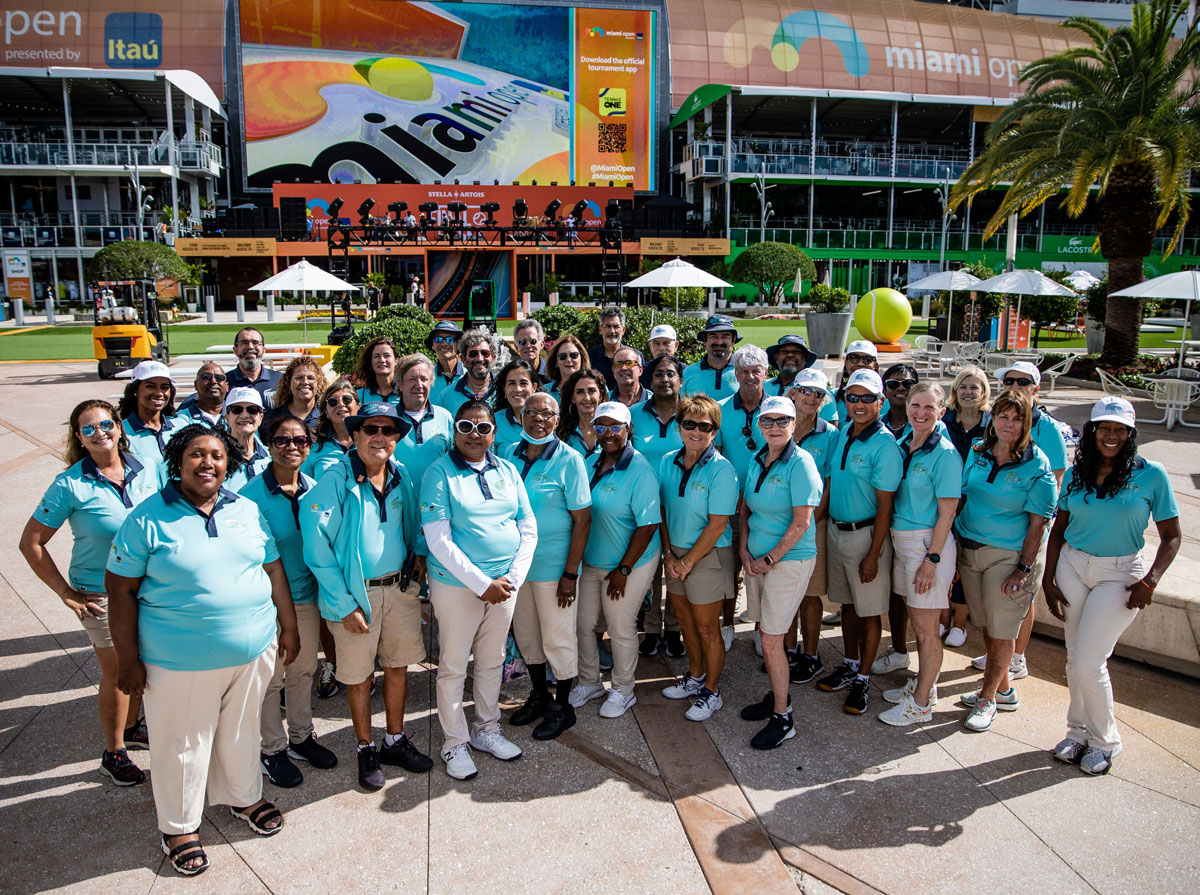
(190, 155)
(876, 239)
(833, 158)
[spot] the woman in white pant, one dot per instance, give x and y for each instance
(1096, 579)
(481, 536)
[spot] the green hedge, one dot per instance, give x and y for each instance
(405, 325)
(638, 323)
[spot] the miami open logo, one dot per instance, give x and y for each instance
(784, 40)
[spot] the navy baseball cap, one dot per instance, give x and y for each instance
(371, 410)
(719, 323)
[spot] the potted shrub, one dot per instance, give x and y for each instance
(1093, 317)
(828, 320)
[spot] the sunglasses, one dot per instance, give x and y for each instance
(568, 355)
(344, 400)
(483, 352)
(466, 427)
(692, 425)
(282, 441)
(622, 364)
(211, 377)
(859, 358)
(526, 343)
(444, 340)
(862, 399)
(899, 383)
(239, 409)
(89, 429)
(1021, 381)
(376, 429)
(808, 392)
(773, 422)
(609, 430)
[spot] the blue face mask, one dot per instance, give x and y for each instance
(545, 439)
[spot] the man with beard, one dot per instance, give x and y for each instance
(789, 356)
(204, 406)
(249, 348)
(713, 375)
(477, 349)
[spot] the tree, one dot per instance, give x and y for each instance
(131, 260)
(1117, 114)
(771, 266)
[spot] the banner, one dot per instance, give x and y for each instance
(18, 278)
(224, 248)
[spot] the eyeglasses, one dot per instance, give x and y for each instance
(859, 358)
(89, 429)
(466, 427)
(622, 364)
(482, 352)
(539, 415)
(376, 429)
(863, 399)
(526, 343)
(444, 340)
(247, 343)
(899, 383)
(808, 392)
(773, 422)
(282, 441)
(344, 400)
(568, 355)
(692, 425)
(239, 409)
(665, 374)
(609, 430)
(211, 377)
(1021, 381)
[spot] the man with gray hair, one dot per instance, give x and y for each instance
(612, 336)
(529, 337)
(479, 350)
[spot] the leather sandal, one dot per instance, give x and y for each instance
(259, 817)
(184, 852)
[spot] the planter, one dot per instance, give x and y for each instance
(827, 333)
(1094, 334)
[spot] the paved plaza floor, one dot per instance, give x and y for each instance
(646, 803)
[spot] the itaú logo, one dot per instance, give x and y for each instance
(785, 39)
(133, 39)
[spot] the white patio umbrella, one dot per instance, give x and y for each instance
(1082, 280)
(1021, 283)
(1184, 284)
(675, 274)
(303, 277)
(943, 281)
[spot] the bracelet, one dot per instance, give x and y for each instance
(570, 576)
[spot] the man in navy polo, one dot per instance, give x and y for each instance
(249, 348)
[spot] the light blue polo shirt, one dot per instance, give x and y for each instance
(556, 483)
(700, 378)
(1115, 524)
(441, 381)
(426, 437)
(1049, 438)
(95, 508)
(828, 412)
(455, 396)
(190, 412)
(623, 499)
(690, 496)
(370, 394)
(931, 472)
(508, 431)
(321, 458)
(483, 509)
(819, 442)
(282, 512)
(739, 437)
(205, 599)
(381, 535)
(575, 440)
(773, 492)
(652, 437)
(146, 444)
(999, 499)
(860, 466)
(236, 481)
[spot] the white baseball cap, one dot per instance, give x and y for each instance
(778, 405)
(1114, 409)
(862, 346)
(614, 410)
(868, 379)
(663, 331)
(242, 395)
(1021, 366)
(812, 377)
(151, 369)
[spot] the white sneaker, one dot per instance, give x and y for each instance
(617, 704)
(941, 630)
(727, 636)
(703, 707)
(1071, 751)
(582, 694)
(687, 687)
(897, 696)
(1017, 668)
(1005, 702)
(757, 643)
(907, 712)
(955, 638)
(892, 661)
(493, 741)
(979, 662)
(832, 618)
(458, 762)
(981, 716)
(1097, 761)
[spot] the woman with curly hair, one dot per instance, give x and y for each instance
(566, 357)
(339, 402)
(299, 392)
(195, 588)
(1096, 579)
(581, 394)
(376, 372)
(514, 384)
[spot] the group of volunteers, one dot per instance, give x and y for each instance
(573, 495)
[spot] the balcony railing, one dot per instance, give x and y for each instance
(833, 158)
(189, 156)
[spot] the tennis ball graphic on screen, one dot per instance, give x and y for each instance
(883, 315)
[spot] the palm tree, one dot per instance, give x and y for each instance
(1116, 114)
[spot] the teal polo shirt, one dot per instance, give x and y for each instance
(205, 599)
(1049, 438)
(776, 386)
(700, 378)
(1115, 524)
(483, 509)
(426, 437)
(819, 442)
(191, 413)
(623, 499)
(508, 431)
(931, 472)
(148, 446)
(772, 493)
(381, 535)
(860, 466)
(556, 483)
(999, 499)
(441, 381)
(370, 393)
(690, 496)
(236, 481)
(94, 507)
(575, 440)
(282, 512)
(455, 396)
(653, 437)
(321, 458)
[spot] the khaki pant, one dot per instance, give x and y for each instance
(621, 616)
(983, 571)
(544, 630)
(204, 736)
(773, 598)
(466, 625)
(296, 682)
(659, 621)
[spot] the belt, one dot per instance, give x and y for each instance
(852, 526)
(969, 544)
(383, 581)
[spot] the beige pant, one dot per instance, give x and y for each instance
(467, 624)
(621, 616)
(845, 550)
(296, 682)
(544, 630)
(204, 737)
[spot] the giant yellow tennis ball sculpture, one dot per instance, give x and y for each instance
(883, 315)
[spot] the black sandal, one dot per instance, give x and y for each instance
(184, 852)
(259, 817)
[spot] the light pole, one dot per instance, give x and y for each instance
(135, 178)
(760, 187)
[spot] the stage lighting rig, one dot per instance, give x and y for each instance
(520, 210)
(457, 209)
(364, 211)
(335, 208)
(490, 209)
(429, 209)
(578, 209)
(397, 209)
(552, 208)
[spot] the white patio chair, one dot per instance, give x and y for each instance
(967, 354)
(1113, 386)
(925, 351)
(993, 363)
(1059, 369)
(1174, 396)
(946, 358)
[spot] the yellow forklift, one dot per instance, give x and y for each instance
(127, 328)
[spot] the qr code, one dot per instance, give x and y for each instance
(611, 138)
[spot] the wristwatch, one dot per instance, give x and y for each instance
(1024, 568)
(625, 570)
(571, 576)
(767, 559)
(934, 558)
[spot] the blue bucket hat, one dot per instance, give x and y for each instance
(443, 328)
(719, 323)
(772, 351)
(371, 410)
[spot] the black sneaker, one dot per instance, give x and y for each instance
(122, 771)
(763, 709)
(327, 685)
(675, 647)
(856, 699)
(137, 737)
(370, 775)
(557, 719)
(532, 710)
(280, 770)
(779, 730)
(374, 685)
(406, 755)
(314, 753)
(806, 668)
(839, 680)
(649, 645)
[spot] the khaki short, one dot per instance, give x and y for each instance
(97, 628)
(710, 580)
(394, 635)
(846, 550)
(908, 555)
(818, 584)
(773, 599)
(983, 571)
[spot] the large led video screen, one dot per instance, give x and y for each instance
(384, 90)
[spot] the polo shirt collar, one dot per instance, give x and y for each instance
(789, 450)
(708, 454)
(359, 470)
(780, 385)
(132, 469)
(622, 463)
(172, 495)
(274, 487)
(549, 449)
(135, 423)
(738, 405)
(489, 463)
(928, 446)
(408, 424)
(1026, 456)
(821, 425)
(861, 437)
(647, 407)
(463, 387)
(459, 371)
(705, 365)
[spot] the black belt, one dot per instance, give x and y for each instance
(969, 544)
(852, 526)
(383, 581)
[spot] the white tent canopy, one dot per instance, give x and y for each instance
(1184, 284)
(1082, 280)
(677, 274)
(303, 277)
(949, 280)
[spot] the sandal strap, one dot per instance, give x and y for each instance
(261, 815)
(177, 854)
